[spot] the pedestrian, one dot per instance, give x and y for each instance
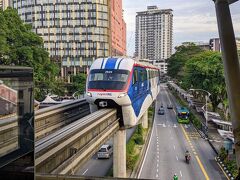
(175, 177)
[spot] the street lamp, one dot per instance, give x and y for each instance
(206, 98)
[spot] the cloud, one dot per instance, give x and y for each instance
(193, 20)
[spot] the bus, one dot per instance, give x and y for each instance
(183, 115)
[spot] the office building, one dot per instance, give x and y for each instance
(154, 35)
(118, 29)
(216, 46)
(5, 3)
(75, 32)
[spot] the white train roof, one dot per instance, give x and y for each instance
(118, 63)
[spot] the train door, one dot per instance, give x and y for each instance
(135, 83)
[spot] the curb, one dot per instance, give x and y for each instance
(142, 154)
(224, 169)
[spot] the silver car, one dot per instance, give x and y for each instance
(105, 151)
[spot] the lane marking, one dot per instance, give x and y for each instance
(177, 158)
(181, 173)
(222, 170)
(156, 175)
(174, 147)
(202, 168)
(157, 164)
(198, 160)
(157, 170)
(85, 171)
(147, 150)
(185, 134)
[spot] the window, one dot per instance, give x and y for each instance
(20, 94)
(135, 76)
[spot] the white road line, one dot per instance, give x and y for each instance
(85, 171)
(157, 170)
(157, 160)
(177, 158)
(174, 147)
(181, 173)
(157, 164)
(158, 156)
(147, 151)
(156, 175)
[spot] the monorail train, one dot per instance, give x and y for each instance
(123, 83)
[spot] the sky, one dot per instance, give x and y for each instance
(193, 20)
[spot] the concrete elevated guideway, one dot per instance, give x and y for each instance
(50, 119)
(66, 149)
(169, 140)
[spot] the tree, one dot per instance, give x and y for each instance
(205, 71)
(20, 46)
(178, 60)
(79, 83)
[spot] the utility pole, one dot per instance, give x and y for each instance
(231, 66)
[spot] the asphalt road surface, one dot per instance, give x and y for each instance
(169, 140)
(100, 167)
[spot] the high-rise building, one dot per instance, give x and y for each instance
(5, 3)
(118, 29)
(75, 32)
(215, 44)
(154, 35)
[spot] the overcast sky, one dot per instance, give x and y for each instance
(193, 20)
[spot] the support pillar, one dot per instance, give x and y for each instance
(145, 120)
(231, 66)
(119, 154)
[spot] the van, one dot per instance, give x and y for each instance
(105, 151)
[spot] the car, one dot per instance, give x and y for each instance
(105, 151)
(161, 111)
(170, 106)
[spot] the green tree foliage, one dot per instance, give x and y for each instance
(178, 60)
(205, 71)
(79, 83)
(20, 46)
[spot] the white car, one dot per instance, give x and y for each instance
(105, 151)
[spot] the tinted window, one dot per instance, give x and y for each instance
(108, 79)
(103, 150)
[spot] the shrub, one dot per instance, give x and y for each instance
(139, 130)
(130, 146)
(222, 154)
(138, 139)
(131, 161)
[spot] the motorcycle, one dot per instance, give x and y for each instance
(187, 157)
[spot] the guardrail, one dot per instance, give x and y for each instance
(8, 135)
(67, 149)
(50, 119)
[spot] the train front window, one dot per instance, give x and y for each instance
(108, 79)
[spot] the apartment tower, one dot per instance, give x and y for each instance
(154, 35)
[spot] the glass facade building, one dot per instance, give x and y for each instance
(75, 32)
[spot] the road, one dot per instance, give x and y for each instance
(100, 167)
(169, 140)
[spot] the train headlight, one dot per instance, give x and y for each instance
(89, 94)
(122, 95)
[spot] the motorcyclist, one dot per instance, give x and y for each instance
(187, 155)
(175, 177)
